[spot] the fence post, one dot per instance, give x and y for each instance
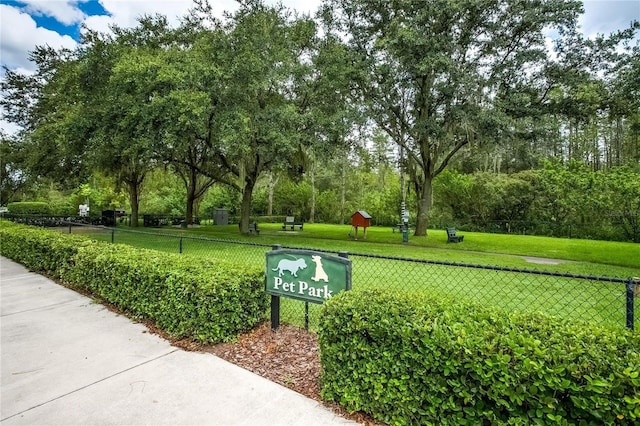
(306, 316)
(180, 245)
(345, 255)
(69, 227)
(275, 302)
(113, 235)
(630, 293)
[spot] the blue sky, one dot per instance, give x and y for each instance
(27, 23)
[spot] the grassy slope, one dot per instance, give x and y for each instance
(577, 299)
(586, 256)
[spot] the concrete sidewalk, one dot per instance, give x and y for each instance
(66, 360)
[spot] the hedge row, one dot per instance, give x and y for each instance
(29, 207)
(410, 359)
(196, 298)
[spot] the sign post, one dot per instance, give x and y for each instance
(405, 224)
(304, 275)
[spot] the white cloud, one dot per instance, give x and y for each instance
(607, 16)
(19, 35)
(64, 11)
(124, 13)
(9, 128)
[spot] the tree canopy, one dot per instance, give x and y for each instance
(265, 94)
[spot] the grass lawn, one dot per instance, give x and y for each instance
(589, 257)
(588, 300)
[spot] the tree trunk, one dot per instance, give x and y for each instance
(191, 198)
(312, 214)
(343, 193)
(188, 219)
(425, 203)
(245, 208)
(272, 187)
(134, 190)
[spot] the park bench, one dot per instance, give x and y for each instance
(452, 237)
(253, 228)
(290, 223)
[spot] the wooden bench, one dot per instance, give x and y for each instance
(253, 228)
(290, 223)
(452, 237)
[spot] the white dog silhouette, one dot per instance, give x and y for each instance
(292, 266)
(320, 273)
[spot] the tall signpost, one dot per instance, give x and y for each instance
(405, 223)
(304, 275)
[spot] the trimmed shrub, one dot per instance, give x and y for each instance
(187, 297)
(29, 207)
(40, 250)
(411, 359)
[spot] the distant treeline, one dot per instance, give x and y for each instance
(558, 201)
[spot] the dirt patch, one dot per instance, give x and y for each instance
(288, 356)
(543, 260)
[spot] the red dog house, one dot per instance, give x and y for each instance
(361, 219)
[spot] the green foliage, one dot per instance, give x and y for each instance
(413, 359)
(42, 251)
(13, 178)
(163, 194)
(29, 207)
(559, 200)
(195, 298)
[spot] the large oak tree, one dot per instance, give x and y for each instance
(430, 69)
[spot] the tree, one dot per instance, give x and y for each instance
(121, 76)
(13, 176)
(251, 126)
(429, 69)
(185, 109)
(48, 106)
(122, 143)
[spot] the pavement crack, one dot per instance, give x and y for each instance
(90, 384)
(37, 308)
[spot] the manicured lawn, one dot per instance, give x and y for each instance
(580, 300)
(587, 256)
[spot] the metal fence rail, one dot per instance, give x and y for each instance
(596, 299)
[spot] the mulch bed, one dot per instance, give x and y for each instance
(288, 356)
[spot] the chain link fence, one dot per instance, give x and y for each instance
(603, 300)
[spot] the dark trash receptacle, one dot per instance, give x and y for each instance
(221, 217)
(109, 217)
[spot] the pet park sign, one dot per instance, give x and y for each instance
(304, 275)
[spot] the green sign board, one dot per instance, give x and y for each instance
(306, 275)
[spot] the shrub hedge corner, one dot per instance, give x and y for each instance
(411, 359)
(209, 301)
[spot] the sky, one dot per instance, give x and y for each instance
(25, 24)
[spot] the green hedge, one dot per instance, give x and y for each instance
(29, 207)
(410, 359)
(42, 251)
(196, 298)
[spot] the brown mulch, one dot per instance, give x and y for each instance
(288, 356)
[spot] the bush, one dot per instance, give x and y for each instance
(410, 359)
(195, 298)
(42, 251)
(29, 207)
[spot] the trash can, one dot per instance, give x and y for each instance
(221, 217)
